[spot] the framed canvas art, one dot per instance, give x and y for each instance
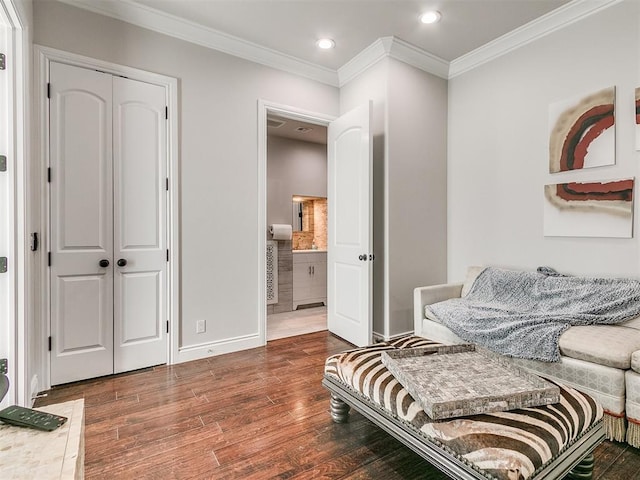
(582, 132)
(593, 209)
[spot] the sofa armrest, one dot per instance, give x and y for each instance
(427, 295)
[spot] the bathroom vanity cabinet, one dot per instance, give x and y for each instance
(309, 277)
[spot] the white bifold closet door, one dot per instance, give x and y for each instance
(108, 226)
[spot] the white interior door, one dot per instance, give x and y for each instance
(81, 232)
(140, 229)
(108, 224)
(350, 241)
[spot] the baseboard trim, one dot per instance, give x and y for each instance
(378, 337)
(212, 349)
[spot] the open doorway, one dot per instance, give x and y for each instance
(296, 118)
(296, 198)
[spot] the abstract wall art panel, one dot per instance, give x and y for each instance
(638, 118)
(582, 132)
(594, 209)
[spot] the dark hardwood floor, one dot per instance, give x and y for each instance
(257, 414)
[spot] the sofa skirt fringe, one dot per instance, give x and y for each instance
(633, 433)
(615, 427)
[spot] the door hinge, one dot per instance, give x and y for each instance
(167, 184)
(48, 90)
(3, 163)
(49, 175)
(372, 257)
(167, 254)
(167, 326)
(34, 242)
(3, 61)
(166, 113)
(49, 343)
(48, 259)
(3, 264)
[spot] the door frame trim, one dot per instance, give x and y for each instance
(43, 57)
(16, 315)
(265, 108)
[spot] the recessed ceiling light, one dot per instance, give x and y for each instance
(431, 17)
(325, 43)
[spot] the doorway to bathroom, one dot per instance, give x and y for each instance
(296, 266)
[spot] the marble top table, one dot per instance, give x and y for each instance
(26, 453)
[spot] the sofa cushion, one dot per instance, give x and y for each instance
(635, 361)
(472, 274)
(633, 323)
(609, 345)
(613, 348)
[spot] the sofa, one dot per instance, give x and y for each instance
(600, 360)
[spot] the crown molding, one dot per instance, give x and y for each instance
(365, 59)
(395, 48)
(534, 30)
(192, 32)
(412, 55)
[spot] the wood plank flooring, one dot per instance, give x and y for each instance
(257, 414)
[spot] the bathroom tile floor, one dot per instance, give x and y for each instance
(298, 322)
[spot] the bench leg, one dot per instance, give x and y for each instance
(582, 471)
(339, 409)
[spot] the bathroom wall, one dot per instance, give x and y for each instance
(293, 168)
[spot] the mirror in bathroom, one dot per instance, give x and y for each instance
(302, 218)
(296, 216)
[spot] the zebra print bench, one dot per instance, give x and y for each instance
(548, 442)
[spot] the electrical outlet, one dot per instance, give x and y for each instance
(4, 365)
(201, 326)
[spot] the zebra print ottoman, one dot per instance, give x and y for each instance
(547, 442)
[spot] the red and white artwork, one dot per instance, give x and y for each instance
(582, 132)
(593, 209)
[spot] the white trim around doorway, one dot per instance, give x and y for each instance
(15, 314)
(265, 108)
(43, 57)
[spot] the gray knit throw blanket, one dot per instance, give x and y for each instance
(523, 314)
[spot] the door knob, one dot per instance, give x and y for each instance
(104, 263)
(362, 257)
(122, 262)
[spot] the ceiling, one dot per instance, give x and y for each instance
(293, 26)
(282, 34)
(296, 129)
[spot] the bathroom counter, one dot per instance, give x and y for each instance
(310, 250)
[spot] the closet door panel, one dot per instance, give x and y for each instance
(81, 223)
(140, 230)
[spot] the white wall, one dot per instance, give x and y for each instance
(498, 138)
(293, 168)
(417, 187)
(217, 154)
